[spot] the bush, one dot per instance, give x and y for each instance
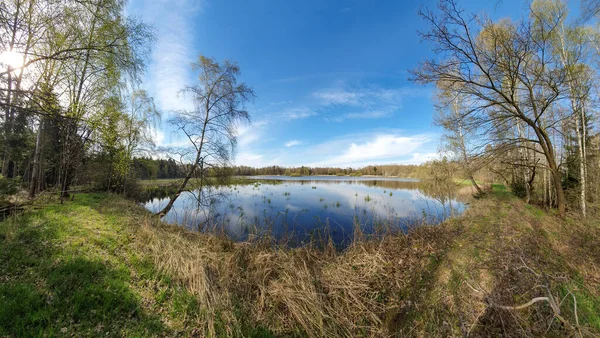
(518, 188)
(8, 187)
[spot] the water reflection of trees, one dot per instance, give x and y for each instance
(222, 209)
(409, 185)
(444, 192)
(441, 190)
(149, 194)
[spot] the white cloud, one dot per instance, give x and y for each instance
(250, 159)
(338, 96)
(250, 138)
(383, 147)
(292, 143)
(158, 136)
(297, 113)
(351, 150)
(375, 114)
(169, 70)
(250, 133)
(418, 158)
(360, 102)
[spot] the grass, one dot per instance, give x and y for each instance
(100, 265)
(467, 182)
(161, 182)
(73, 270)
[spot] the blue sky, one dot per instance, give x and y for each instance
(331, 77)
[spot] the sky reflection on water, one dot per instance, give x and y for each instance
(307, 208)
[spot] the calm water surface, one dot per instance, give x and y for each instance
(300, 209)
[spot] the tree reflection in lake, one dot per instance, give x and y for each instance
(300, 210)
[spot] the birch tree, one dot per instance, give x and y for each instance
(569, 43)
(210, 127)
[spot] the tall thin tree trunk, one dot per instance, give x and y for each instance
(7, 114)
(582, 181)
(33, 186)
(577, 108)
(181, 188)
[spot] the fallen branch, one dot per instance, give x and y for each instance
(549, 298)
(518, 307)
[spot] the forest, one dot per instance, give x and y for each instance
(71, 105)
(517, 101)
(147, 168)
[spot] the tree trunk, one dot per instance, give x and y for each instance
(577, 107)
(181, 188)
(560, 194)
(480, 192)
(548, 149)
(582, 182)
(36, 162)
(7, 126)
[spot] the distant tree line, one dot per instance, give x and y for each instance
(388, 170)
(147, 168)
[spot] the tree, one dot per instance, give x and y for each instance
(219, 104)
(506, 75)
(570, 45)
(77, 54)
(457, 137)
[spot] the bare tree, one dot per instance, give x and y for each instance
(458, 136)
(570, 44)
(219, 103)
(506, 74)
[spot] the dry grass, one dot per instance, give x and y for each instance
(367, 290)
(437, 281)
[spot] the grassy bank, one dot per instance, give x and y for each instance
(102, 265)
(75, 269)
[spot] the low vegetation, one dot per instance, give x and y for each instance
(102, 265)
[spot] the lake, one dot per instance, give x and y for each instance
(298, 210)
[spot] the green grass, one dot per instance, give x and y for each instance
(501, 191)
(466, 182)
(161, 182)
(71, 270)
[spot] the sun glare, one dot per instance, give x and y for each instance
(12, 59)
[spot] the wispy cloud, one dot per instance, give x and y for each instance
(250, 159)
(297, 113)
(375, 114)
(292, 143)
(252, 137)
(172, 54)
(250, 133)
(341, 97)
(363, 102)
